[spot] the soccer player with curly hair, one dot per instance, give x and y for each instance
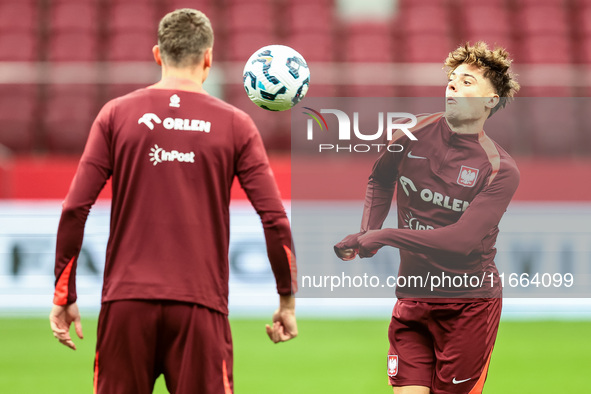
(452, 187)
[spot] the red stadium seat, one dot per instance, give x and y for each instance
(546, 48)
(553, 121)
(242, 17)
(322, 90)
(311, 17)
(18, 46)
(539, 19)
(239, 47)
(478, 3)
(132, 17)
(325, 3)
(544, 91)
(313, 46)
(585, 50)
(486, 18)
(130, 46)
(582, 18)
(527, 3)
(368, 91)
(74, 16)
(74, 46)
(195, 4)
(205, 6)
(425, 91)
(422, 48)
(404, 4)
(69, 112)
(369, 43)
(492, 39)
(232, 3)
(18, 107)
(108, 3)
(424, 19)
(19, 16)
(378, 49)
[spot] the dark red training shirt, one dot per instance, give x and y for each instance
(172, 156)
(452, 192)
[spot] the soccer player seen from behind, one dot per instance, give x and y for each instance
(172, 153)
(455, 183)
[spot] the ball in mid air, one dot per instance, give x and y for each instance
(276, 77)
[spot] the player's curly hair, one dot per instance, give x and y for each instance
(495, 65)
(183, 37)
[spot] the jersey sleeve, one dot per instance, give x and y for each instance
(257, 180)
(380, 191)
(466, 235)
(93, 171)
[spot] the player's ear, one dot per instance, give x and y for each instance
(156, 53)
(208, 58)
(492, 101)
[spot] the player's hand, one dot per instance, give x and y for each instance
(284, 321)
(60, 319)
(369, 243)
(348, 248)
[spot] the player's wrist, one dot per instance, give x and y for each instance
(287, 302)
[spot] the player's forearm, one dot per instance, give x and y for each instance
(280, 251)
(441, 240)
(378, 199)
(69, 242)
(463, 237)
(87, 184)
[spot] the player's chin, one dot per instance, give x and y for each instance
(452, 112)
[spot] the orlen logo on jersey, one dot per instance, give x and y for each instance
(436, 198)
(159, 155)
(344, 133)
(175, 123)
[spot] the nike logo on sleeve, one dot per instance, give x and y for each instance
(411, 156)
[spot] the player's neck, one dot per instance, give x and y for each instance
(190, 79)
(467, 126)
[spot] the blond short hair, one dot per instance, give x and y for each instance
(183, 36)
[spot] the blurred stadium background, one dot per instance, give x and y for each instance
(61, 60)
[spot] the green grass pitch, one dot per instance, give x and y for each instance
(329, 356)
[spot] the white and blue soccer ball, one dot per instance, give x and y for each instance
(276, 77)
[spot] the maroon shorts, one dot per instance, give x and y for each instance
(446, 347)
(139, 340)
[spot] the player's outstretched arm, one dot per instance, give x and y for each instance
(284, 321)
(60, 319)
(462, 237)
